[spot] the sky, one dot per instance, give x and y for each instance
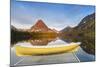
(55, 16)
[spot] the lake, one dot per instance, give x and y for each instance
(78, 56)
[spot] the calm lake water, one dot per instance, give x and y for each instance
(78, 56)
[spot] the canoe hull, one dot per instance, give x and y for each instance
(27, 51)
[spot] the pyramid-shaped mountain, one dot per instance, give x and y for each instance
(40, 26)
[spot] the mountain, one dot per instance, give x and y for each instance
(68, 28)
(84, 32)
(13, 28)
(87, 22)
(40, 26)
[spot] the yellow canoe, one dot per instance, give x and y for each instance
(45, 50)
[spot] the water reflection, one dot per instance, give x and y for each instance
(81, 55)
(87, 44)
(53, 41)
(41, 41)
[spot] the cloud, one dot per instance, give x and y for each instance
(20, 25)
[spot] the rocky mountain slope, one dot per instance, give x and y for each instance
(40, 26)
(84, 32)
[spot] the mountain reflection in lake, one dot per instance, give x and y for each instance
(79, 56)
